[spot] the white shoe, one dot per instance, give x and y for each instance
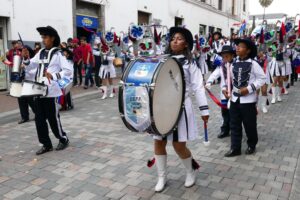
(111, 90)
(161, 165)
(279, 98)
(278, 94)
(104, 90)
(286, 92)
(190, 179)
(264, 104)
(273, 95)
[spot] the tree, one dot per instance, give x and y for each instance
(265, 4)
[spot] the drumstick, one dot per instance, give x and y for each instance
(228, 83)
(206, 142)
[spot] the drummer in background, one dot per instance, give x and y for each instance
(16, 49)
(25, 102)
(46, 108)
(37, 47)
(180, 48)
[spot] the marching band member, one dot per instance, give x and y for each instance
(218, 42)
(24, 102)
(46, 108)
(288, 68)
(227, 54)
(278, 71)
(201, 59)
(107, 74)
(262, 60)
(180, 48)
(296, 58)
(247, 77)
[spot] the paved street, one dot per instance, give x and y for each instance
(106, 161)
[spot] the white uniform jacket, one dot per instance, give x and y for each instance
(58, 67)
(219, 72)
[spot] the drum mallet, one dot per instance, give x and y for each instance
(205, 142)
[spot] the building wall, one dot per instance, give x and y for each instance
(24, 16)
(120, 13)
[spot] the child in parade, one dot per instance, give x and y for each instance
(247, 76)
(180, 47)
(228, 54)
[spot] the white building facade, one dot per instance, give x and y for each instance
(82, 17)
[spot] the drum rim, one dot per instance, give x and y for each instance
(151, 93)
(37, 83)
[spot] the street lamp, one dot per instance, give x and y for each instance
(265, 4)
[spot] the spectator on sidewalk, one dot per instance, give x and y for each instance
(77, 59)
(87, 61)
(37, 47)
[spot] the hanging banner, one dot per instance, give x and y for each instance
(87, 22)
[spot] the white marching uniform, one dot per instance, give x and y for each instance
(269, 78)
(107, 70)
(58, 67)
(187, 126)
(281, 67)
(202, 62)
(287, 61)
(219, 73)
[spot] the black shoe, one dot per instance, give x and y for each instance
(223, 135)
(250, 151)
(233, 153)
(23, 121)
(44, 150)
(85, 87)
(62, 145)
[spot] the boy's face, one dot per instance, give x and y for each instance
(242, 50)
(227, 57)
(260, 54)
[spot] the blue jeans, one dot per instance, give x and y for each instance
(88, 75)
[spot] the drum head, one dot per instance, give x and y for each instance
(168, 96)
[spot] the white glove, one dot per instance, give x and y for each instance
(208, 86)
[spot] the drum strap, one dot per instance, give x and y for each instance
(45, 59)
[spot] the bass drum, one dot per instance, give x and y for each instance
(151, 95)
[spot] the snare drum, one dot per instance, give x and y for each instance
(151, 95)
(15, 89)
(31, 88)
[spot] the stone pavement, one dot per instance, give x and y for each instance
(106, 161)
